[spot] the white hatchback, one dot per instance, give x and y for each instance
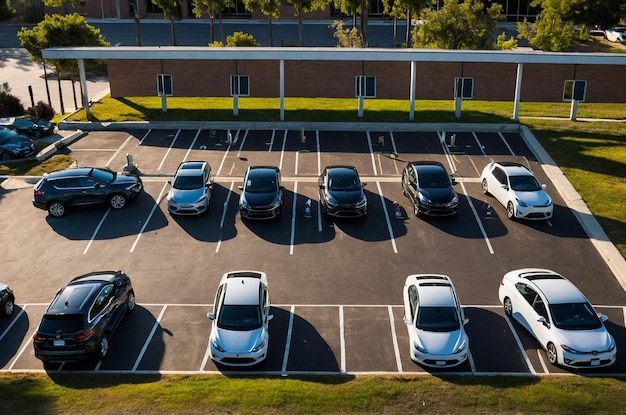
(559, 316)
(435, 319)
(241, 316)
(515, 187)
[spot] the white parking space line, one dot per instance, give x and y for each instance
(143, 228)
(219, 170)
(230, 191)
(342, 340)
(293, 218)
(319, 155)
(149, 339)
(446, 151)
(119, 150)
(541, 360)
(17, 317)
(144, 137)
(21, 352)
(292, 313)
(482, 148)
(389, 228)
(369, 145)
(271, 143)
(394, 339)
(506, 143)
(207, 356)
(191, 146)
(520, 346)
(282, 150)
(393, 143)
(480, 224)
(95, 232)
(243, 141)
(169, 149)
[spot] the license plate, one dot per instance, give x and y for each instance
(440, 363)
(595, 362)
(59, 342)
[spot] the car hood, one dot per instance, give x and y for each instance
(539, 198)
(439, 194)
(586, 340)
(17, 144)
(346, 197)
(234, 341)
(123, 179)
(259, 199)
(187, 196)
(436, 342)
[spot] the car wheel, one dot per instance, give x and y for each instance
(551, 353)
(5, 157)
(118, 201)
(404, 192)
(510, 210)
(485, 187)
(8, 308)
(103, 348)
(508, 307)
(416, 209)
(56, 209)
(130, 301)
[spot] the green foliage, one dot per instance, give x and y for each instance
(346, 38)
(6, 11)
(549, 32)
(458, 25)
(503, 43)
(10, 105)
(61, 3)
(41, 110)
(171, 8)
(31, 11)
(216, 44)
(270, 8)
(241, 39)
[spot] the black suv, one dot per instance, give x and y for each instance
(14, 145)
(83, 316)
(261, 193)
(428, 187)
(84, 186)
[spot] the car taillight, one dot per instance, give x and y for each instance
(38, 192)
(85, 335)
(38, 338)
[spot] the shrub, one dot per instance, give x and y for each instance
(6, 11)
(241, 39)
(10, 105)
(41, 110)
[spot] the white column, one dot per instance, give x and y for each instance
(518, 91)
(83, 85)
(412, 91)
(282, 90)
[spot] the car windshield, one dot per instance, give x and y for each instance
(102, 175)
(187, 182)
(433, 180)
(348, 183)
(240, 317)
(575, 316)
(261, 184)
(437, 319)
(524, 184)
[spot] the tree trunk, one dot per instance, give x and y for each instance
(212, 29)
(60, 92)
(300, 29)
(364, 14)
(270, 27)
(408, 28)
(173, 32)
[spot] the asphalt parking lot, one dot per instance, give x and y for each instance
(336, 288)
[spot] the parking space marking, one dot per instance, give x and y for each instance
(389, 228)
(95, 232)
(243, 141)
(27, 344)
(219, 241)
(480, 146)
(192, 145)
(393, 145)
(169, 149)
(520, 346)
(293, 218)
(144, 137)
(342, 340)
(149, 339)
(543, 363)
(319, 155)
(145, 224)
(230, 144)
(506, 143)
(118, 151)
(480, 224)
(17, 317)
(271, 143)
(292, 313)
(394, 339)
(369, 145)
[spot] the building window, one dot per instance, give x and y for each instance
(165, 84)
(574, 90)
(464, 88)
(365, 86)
(240, 85)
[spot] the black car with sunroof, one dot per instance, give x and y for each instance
(83, 316)
(341, 192)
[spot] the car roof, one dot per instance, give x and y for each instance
(427, 166)
(74, 298)
(351, 170)
(192, 165)
(242, 287)
(263, 169)
(434, 290)
(513, 169)
(556, 288)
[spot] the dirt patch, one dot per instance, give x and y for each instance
(598, 44)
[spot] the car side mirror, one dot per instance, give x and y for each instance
(240, 187)
(603, 317)
(405, 320)
(363, 184)
(210, 316)
(465, 321)
(504, 186)
(169, 182)
(452, 179)
(543, 186)
(271, 316)
(322, 186)
(543, 321)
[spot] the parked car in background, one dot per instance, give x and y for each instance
(616, 34)
(428, 187)
(261, 193)
(559, 316)
(14, 145)
(241, 315)
(83, 316)
(341, 192)
(515, 187)
(58, 190)
(435, 321)
(28, 125)
(191, 189)
(7, 300)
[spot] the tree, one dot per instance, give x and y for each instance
(305, 6)
(270, 8)
(347, 38)
(589, 13)
(6, 11)
(349, 8)
(241, 39)
(57, 30)
(212, 8)
(171, 11)
(466, 25)
(405, 9)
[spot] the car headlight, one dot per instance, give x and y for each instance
(569, 349)
(331, 200)
(202, 199)
(361, 202)
(419, 347)
(454, 200)
(217, 345)
(275, 203)
(243, 203)
(259, 346)
(424, 199)
(521, 203)
(461, 347)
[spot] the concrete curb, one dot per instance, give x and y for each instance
(607, 250)
(50, 150)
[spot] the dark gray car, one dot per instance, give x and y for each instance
(428, 187)
(14, 145)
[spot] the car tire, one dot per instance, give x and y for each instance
(118, 201)
(508, 307)
(5, 157)
(103, 346)
(510, 211)
(552, 354)
(484, 186)
(131, 301)
(9, 307)
(56, 209)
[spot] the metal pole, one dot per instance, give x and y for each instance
(518, 91)
(83, 86)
